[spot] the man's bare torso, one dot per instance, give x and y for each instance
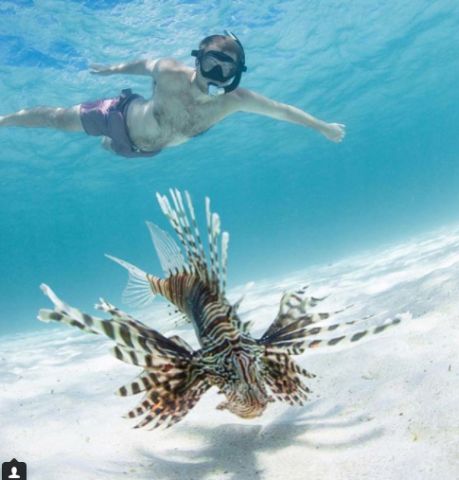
(177, 111)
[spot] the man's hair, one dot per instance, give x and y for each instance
(225, 43)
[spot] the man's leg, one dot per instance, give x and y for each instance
(45, 117)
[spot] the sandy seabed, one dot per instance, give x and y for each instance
(387, 408)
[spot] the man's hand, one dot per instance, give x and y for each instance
(334, 131)
(98, 69)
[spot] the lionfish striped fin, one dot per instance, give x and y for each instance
(138, 292)
(64, 313)
(224, 264)
(123, 317)
(141, 328)
(171, 215)
(211, 268)
(306, 326)
(128, 333)
(283, 378)
(181, 342)
(45, 315)
(168, 409)
(246, 326)
(194, 223)
(171, 379)
(107, 307)
(213, 231)
(296, 346)
(169, 253)
(145, 381)
(142, 408)
(294, 307)
(179, 221)
(286, 390)
(149, 359)
(194, 242)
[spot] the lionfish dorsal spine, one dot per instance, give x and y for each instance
(196, 257)
(197, 234)
(179, 222)
(171, 215)
(211, 268)
(213, 231)
(224, 264)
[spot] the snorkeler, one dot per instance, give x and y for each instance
(185, 102)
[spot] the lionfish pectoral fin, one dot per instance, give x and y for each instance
(138, 292)
(181, 342)
(64, 313)
(296, 346)
(247, 326)
(283, 378)
(293, 308)
(104, 306)
(162, 406)
(115, 312)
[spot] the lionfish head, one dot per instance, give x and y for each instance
(246, 395)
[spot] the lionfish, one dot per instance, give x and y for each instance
(250, 372)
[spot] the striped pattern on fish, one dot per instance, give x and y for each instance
(249, 372)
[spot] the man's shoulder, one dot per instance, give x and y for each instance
(239, 96)
(170, 65)
(171, 73)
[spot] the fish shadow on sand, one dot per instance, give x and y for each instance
(231, 451)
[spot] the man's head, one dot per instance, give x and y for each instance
(221, 60)
(226, 44)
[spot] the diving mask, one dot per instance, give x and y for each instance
(216, 65)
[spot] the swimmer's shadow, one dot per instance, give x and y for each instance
(232, 450)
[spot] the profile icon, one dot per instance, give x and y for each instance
(14, 470)
(14, 473)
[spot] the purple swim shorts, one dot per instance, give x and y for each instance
(107, 117)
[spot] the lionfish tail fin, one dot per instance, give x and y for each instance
(138, 292)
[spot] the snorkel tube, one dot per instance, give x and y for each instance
(240, 68)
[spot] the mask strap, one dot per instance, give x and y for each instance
(233, 36)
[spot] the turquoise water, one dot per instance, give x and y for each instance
(288, 197)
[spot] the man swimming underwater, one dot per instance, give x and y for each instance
(185, 102)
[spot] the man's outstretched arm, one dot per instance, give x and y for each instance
(137, 67)
(248, 101)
